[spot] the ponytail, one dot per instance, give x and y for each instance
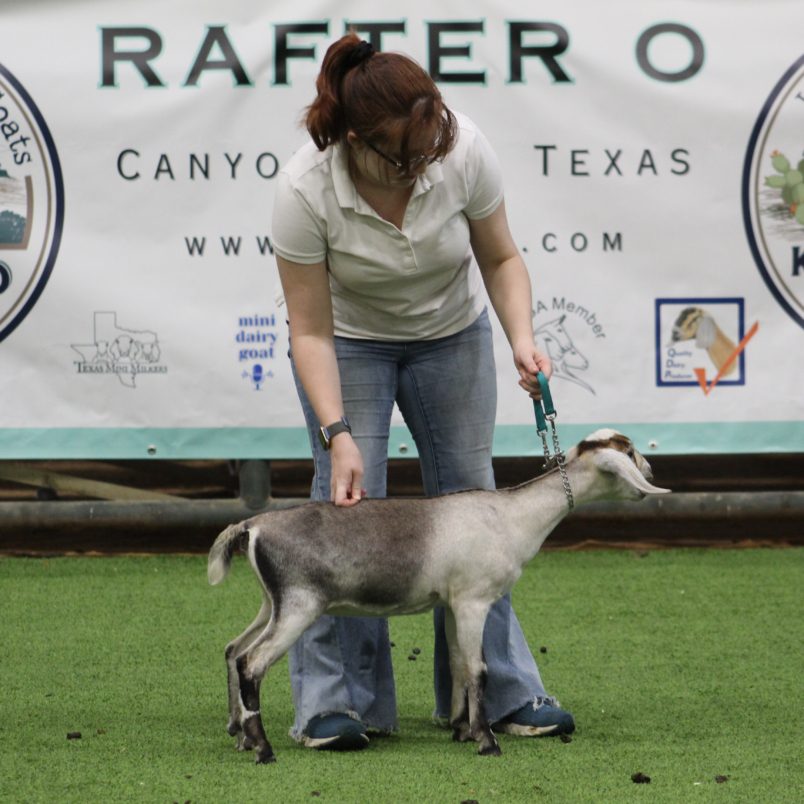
(326, 119)
(377, 95)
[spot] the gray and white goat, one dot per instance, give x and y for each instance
(382, 557)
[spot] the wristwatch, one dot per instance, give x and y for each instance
(326, 434)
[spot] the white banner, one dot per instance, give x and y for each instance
(653, 156)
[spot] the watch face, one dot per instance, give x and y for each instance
(323, 437)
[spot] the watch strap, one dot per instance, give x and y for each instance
(326, 434)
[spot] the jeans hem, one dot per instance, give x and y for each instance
(537, 701)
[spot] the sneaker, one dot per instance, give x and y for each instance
(544, 717)
(336, 732)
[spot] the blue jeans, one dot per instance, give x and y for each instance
(446, 392)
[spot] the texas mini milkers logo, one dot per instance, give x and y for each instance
(31, 203)
(119, 351)
(773, 192)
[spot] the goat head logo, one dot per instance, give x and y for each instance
(568, 361)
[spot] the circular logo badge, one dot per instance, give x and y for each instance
(31, 203)
(773, 192)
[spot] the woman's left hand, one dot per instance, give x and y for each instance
(529, 360)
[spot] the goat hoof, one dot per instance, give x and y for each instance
(490, 751)
(265, 757)
(461, 735)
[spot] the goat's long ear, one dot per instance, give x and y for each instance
(612, 460)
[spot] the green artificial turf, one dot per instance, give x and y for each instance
(683, 665)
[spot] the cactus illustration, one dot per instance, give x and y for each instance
(790, 180)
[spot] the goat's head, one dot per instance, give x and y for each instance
(686, 324)
(625, 471)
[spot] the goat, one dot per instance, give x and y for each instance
(384, 557)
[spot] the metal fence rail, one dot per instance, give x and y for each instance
(688, 518)
(148, 507)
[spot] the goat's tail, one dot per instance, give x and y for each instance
(220, 555)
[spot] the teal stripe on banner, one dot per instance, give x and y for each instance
(291, 442)
(686, 438)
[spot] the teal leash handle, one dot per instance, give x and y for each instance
(543, 408)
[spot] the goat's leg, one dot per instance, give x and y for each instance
(459, 706)
(233, 650)
(470, 619)
(270, 646)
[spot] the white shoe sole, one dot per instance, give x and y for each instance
(355, 741)
(524, 731)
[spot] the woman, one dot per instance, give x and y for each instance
(375, 226)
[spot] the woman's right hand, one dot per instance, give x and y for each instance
(307, 295)
(346, 477)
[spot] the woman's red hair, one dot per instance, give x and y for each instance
(382, 97)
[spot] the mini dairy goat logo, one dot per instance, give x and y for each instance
(256, 347)
(773, 192)
(31, 203)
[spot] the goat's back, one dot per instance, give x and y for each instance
(377, 552)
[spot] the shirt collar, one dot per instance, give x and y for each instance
(345, 190)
